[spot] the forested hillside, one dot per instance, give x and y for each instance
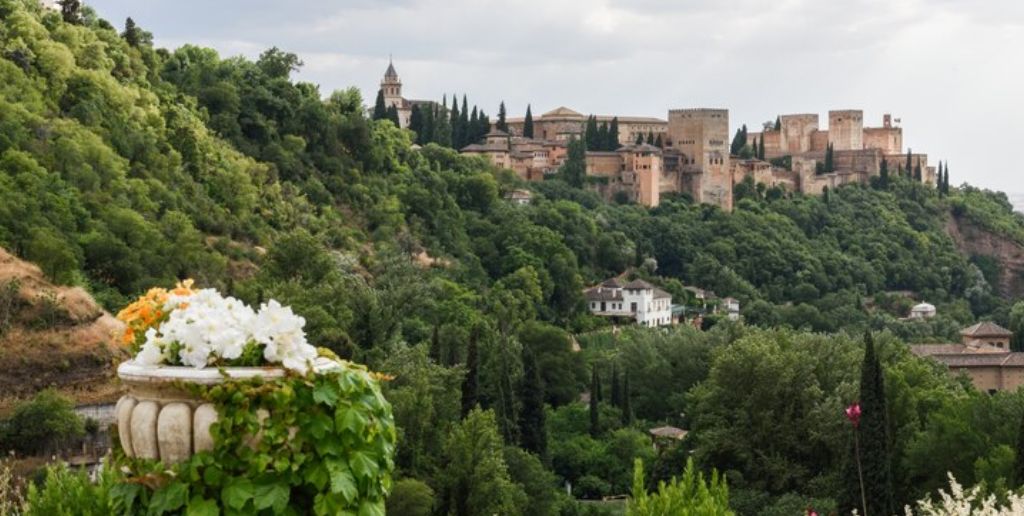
(124, 166)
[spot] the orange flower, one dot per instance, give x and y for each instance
(148, 311)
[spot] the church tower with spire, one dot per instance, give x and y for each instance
(392, 87)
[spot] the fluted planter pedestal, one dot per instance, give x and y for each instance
(158, 419)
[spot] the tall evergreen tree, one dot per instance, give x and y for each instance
(615, 394)
(427, 125)
(464, 128)
(474, 119)
(392, 114)
(574, 169)
(917, 171)
(760, 150)
(532, 428)
(380, 110)
(613, 134)
(778, 123)
(830, 165)
(600, 388)
(70, 10)
(471, 384)
(1018, 466)
(416, 124)
(873, 438)
(528, 123)
(650, 137)
(945, 180)
(739, 140)
(883, 173)
(595, 388)
(659, 143)
(502, 125)
(602, 137)
(453, 122)
(131, 33)
(627, 408)
(442, 128)
(909, 166)
(590, 134)
(639, 138)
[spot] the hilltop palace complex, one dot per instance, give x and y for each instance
(694, 157)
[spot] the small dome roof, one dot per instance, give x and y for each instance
(924, 307)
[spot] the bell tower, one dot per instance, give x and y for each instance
(391, 86)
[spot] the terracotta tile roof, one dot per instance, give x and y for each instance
(986, 329)
(602, 294)
(638, 284)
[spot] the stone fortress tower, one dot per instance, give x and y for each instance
(700, 137)
(846, 129)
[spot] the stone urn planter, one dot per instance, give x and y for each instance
(159, 419)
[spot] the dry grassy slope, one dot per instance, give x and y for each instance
(56, 337)
(973, 240)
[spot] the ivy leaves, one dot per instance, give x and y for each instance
(320, 444)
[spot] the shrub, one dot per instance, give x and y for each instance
(410, 497)
(65, 492)
(38, 425)
(686, 496)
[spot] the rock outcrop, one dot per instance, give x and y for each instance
(973, 240)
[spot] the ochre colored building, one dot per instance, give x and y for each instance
(984, 355)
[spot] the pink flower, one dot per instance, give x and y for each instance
(811, 512)
(853, 414)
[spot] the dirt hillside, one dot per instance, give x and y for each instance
(52, 336)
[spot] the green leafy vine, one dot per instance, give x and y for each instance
(315, 444)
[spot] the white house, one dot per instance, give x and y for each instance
(922, 311)
(638, 299)
(519, 197)
(732, 308)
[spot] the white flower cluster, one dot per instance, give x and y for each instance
(208, 326)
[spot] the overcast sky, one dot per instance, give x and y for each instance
(952, 70)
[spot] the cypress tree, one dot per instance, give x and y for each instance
(873, 438)
(1018, 466)
(416, 123)
(392, 114)
(945, 180)
(466, 130)
(428, 124)
(602, 137)
(917, 171)
(615, 397)
(528, 123)
(760, 151)
(574, 170)
(738, 141)
(778, 123)
(532, 428)
(600, 388)
(379, 109)
(639, 138)
(883, 173)
(502, 125)
(470, 385)
(595, 388)
(70, 10)
(453, 122)
(485, 124)
(650, 137)
(909, 167)
(131, 32)
(613, 134)
(590, 137)
(627, 408)
(658, 143)
(829, 159)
